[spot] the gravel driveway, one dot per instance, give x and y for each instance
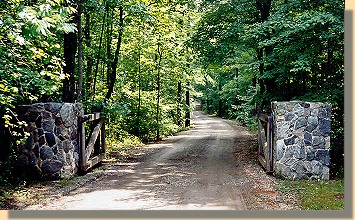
(202, 168)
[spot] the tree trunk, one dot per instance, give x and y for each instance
(109, 59)
(261, 70)
(267, 85)
(80, 54)
(113, 65)
(139, 93)
(264, 7)
(89, 64)
(179, 100)
(220, 104)
(207, 92)
(187, 115)
(99, 52)
(160, 54)
(70, 46)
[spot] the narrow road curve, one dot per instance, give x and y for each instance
(196, 169)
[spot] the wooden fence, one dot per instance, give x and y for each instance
(93, 152)
(265, 141)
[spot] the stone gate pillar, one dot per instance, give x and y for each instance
(301, 139)
(51, 150)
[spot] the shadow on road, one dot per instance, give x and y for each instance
(196, 169)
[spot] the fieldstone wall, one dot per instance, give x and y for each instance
(301, 139)
(51, 151)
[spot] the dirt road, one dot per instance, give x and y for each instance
(196, 169)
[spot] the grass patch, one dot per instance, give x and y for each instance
(12, 198)
(5, 198)
(129, 146)
(316, 195)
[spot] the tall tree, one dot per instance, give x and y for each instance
(112, 69)
(80, 53)
(70, 49)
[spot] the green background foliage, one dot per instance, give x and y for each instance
(252, 53)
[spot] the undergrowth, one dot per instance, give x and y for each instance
(316, 195)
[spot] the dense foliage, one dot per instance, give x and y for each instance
(255, 52)
(31, 65)
(127, 59)
(135, 61)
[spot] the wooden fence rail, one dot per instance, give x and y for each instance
(265, 140)
(96, 141)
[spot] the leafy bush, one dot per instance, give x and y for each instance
(8, 171)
